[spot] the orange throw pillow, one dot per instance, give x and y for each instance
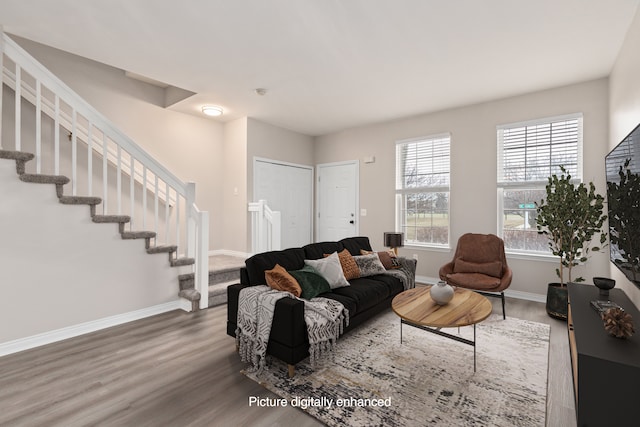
(348, 264)
(279, 279)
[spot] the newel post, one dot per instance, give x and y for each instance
(190, 200)
(202, 262)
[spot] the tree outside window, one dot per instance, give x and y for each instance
(422, 190)
(528, 153)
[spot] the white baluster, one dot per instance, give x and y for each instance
(105, 176)
(18, 103)
(166, 213)
(132, 182)
(2, 36)
(56, 138)
(38, 127)
(90, 160)
(119, 180)
(74, 153)
(178, 218)
(144, 197)
(155, 204)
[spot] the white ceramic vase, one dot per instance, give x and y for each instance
(441, 293)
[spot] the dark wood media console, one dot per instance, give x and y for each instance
(606, 370)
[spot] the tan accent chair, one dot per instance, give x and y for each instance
(479, 264)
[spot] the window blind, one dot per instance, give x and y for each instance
(530, 153)
(423, 163)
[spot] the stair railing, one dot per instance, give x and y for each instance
(266, 228)
(156, 199)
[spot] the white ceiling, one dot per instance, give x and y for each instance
(334, 64)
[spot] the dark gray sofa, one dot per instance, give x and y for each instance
(364, 298)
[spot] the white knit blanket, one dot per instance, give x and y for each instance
(325, 319)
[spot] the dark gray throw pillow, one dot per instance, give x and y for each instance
(311, 283)
(369, 265)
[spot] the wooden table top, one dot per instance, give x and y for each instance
(466, 308)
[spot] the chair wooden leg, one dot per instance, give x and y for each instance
(292, 370)
(504, 316)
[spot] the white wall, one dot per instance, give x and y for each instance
(473, 169)
(59, 269)
(624, 104)
(245, 139)
(235, 220)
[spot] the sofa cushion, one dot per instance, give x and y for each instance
(493, 268)
(365, 292)
(279, 279)
(355, 244)
(317, 250)
(330, 269)
(369, 265)
(473, 281)
(311, 283)
(348, 264)
(289, 259)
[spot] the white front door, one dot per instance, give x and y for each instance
(337, 215)
(287, 188)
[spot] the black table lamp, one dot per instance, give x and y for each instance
(394, 240)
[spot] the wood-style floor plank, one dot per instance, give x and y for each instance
(181, 369)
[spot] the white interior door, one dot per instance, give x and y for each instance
(337, 201)
(287, 188)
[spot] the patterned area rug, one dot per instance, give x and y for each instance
(428, 380)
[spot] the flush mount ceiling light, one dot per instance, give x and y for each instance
(212, 111)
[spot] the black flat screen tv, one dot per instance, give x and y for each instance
(623, 205)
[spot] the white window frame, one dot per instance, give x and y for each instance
(539, 184)
(402, 192)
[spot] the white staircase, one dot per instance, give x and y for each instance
(58, 138)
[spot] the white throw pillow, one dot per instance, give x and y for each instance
(330, 269)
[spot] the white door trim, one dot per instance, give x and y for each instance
(355, 163)
(295, 165)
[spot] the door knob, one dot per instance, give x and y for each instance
(352, 222)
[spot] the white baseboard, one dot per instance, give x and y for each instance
(529, 296)
(426, 280)
(230, 253)
(508, 293)
(38, 340)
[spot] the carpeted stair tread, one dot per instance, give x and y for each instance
(218, 293)
(44, 179)
(187, 281)
(187, 276)
(182, 261)
(224, 275)
(189, 294)
(162, 249)
(219, 288)
(111, 218)
(138, 234)
(22, 156)
(80, 200)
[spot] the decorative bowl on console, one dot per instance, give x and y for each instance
(604, 284)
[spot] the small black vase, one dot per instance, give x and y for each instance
(604, 284)
(557, 305)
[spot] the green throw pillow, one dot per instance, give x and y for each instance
(311, 283)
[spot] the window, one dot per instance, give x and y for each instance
(422, 190)
(528, 153)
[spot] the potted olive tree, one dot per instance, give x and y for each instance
(570, 216)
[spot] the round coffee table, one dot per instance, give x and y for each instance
(416, 308)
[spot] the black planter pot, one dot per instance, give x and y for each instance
(557, 301)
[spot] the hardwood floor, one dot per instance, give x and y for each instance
(181, 369)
